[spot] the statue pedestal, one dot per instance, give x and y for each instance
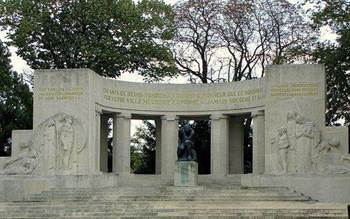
(186, 173)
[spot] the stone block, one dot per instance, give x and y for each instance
(186, 173)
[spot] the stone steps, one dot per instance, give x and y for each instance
(161, 190)
(117, 196)
(170, 202)
(187, 198)
(203, 212)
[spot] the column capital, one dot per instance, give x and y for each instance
(123, 115)
(98, 110)
(169, 117)
(258, 113)
(217, 116)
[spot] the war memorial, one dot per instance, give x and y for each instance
(59, 169)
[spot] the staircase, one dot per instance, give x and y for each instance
(210, 201)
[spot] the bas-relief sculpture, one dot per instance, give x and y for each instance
(62, 138)
(283, 145)
(185, 150)
(301, 149)
(57, 144)
(23, 163)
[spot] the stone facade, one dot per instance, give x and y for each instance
(72, 107)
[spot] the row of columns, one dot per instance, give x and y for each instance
(167, 140)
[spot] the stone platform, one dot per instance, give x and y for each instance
(215, 201)
(334, 188)
(186, 173)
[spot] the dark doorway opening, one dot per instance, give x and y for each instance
(240, 144)
(106, 139)
(248, 145)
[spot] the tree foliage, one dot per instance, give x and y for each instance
(201, 141)
(234, 40)
(143, 149)
(110, 37)
(195, 39)
(335, 56)
(16, 102)
(143, 146)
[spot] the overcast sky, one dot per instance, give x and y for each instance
(20, 65)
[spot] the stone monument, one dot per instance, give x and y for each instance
(72, 109)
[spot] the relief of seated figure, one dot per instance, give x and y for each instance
(24, 163)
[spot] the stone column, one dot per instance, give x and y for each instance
(96, 157)
(158, 145)
(236, 145)
(169, 141)
(258, 142)
(121, 143)
(104, 143)
(219, 145)
(114, 144)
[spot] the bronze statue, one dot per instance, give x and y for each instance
(185, 150)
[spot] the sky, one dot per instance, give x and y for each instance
(20, 66)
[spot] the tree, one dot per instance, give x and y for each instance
(143, 149)
(196, 41)
(16, 102)
(143, 146)
(261, 32)
(201, 140)
(336, 57)
(234, 40)
(110, 37)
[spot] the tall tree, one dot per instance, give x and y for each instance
(16, 103)
(201, 142)
(335, 56)
(234, 40)
(261, 32)
(143, 149)
(196, 40)
(110, 37)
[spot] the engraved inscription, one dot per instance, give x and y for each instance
(182, 98)
(295, 89)
(55, 93)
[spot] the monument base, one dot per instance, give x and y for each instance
(186, 173)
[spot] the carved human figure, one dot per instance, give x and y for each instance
(304, 133)
(185, 150)
(313, 154)
(24, 163)
(49, 141)
(282, 142)
(61, 138)
(66, 137)
(329, 160)
(291, 124)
